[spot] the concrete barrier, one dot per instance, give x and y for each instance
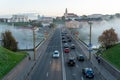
(113, 70)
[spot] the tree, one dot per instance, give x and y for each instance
(52, 25)
(36, 23)
(8, 41)
(108, 38)
(63, 18)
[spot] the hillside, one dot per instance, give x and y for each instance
(8, 60)
(112, 55)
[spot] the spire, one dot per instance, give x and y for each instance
(66, 11)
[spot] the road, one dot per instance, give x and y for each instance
(48, 68)
(75, 73)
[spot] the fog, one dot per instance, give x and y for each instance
(24, 36)
(97, 29)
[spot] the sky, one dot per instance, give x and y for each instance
(57, 7)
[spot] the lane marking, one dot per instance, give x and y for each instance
(50, 62)
(82, 78)
(77, 66)
(63, 66)
(47, 74)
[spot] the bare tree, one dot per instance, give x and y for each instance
(108, 38)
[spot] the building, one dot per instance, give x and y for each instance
(71, 16)
(72, 24)
(3, 19)
(19, 18)
(45, 20)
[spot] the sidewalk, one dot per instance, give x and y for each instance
(102, 71)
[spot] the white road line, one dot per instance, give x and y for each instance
(50, 62)
(82, 78)
(63, 67)
(47, 74)
(77, 66)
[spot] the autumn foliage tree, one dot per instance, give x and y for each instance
(8, 41)
(108, 38)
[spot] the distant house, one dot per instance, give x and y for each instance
(45, 20)
(71, 16)
(72, 24)
(19, 18)
(3, 19)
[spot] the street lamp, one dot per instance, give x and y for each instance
(34, 43)
(90, 44)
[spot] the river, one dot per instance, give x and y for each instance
(23, 35)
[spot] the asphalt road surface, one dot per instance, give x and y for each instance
(75, 72)
(49, 68)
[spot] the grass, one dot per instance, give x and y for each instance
(8, 60)
(112, 55)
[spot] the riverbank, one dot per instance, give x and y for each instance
(9, 59)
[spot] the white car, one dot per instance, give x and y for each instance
(56, 54)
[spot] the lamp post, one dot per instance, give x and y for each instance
(34, 43)
(90, 44)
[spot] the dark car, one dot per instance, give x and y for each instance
(71, 62)
(80, 57)
(72, 46)
(64, 41)
(63, 37)
(69, 40)
(88, 72)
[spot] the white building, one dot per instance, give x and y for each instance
(19, 18)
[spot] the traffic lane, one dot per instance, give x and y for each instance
(72, 73)
(79, 48)
(89, 64)
(75, 73)
(42, 70)
(55, 70)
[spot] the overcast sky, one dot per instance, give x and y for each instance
(57, 7)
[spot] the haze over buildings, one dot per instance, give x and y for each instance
(57, 7)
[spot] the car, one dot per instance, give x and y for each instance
(64, 41)
(71, 61)
(56, 54)
(66, 45)
(88, 72)
(69, 40)
(80, 57)
(72, 46)
(66, 50)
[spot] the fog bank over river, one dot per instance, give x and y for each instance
(23, 35)
(97, 29)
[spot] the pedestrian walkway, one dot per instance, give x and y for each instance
(106, 74)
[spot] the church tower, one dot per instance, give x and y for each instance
(66, 13)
